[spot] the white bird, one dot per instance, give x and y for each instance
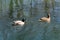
(45, 19)
(19, 22)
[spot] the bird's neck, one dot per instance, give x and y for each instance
(48, 16)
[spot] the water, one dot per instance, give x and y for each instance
(33, 29)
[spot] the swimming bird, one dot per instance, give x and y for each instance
(18, 22)
(45, 19)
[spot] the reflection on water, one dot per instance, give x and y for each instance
(32, 30)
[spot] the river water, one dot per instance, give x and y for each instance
(33, 29)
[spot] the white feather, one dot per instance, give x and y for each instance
(19, 22)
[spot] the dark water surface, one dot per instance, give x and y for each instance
(33, 29)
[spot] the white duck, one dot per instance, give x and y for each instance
(45, 19)
(19, 22)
